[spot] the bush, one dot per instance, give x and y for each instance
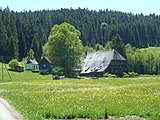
(125, 75)
(133, 74)
(130, 74)
(109, 75)
(13, 63)
(57, 71)
(44, 72)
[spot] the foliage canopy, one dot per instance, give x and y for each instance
(64, 47)
(13, 63)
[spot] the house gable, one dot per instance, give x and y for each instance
(32, 65)
(46, 64)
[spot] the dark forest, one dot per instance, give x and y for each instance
(22, 31)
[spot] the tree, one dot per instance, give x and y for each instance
(36, 46)
(3, 39)
(13, 37)
(18, 29)
(64, 47)
(21, 38)
(13, 63)
(118, 45)
(88, 49)
(31, 54)
(99, 47)
(104, 27)
(108, 45)
(58, 71)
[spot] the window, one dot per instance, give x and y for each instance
(44, 65)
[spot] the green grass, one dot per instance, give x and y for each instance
(152, 49)
(21, 76)
(39, 97)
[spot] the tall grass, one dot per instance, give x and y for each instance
(84, 98)
(39, 97)
(21, 76)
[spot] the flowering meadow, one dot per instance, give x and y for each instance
(39, 97)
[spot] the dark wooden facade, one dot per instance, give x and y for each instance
(46, 64)
(117, 67)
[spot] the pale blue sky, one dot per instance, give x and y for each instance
(134, 6)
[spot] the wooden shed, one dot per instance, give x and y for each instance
(19, 69)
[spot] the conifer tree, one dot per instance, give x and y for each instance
(118, 45)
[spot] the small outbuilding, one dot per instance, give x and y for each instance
(46, 64)
(32, 65)
(104, 61)
(19, 69)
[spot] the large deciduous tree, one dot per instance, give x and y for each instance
(64, 47)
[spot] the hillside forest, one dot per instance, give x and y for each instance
(22, 31)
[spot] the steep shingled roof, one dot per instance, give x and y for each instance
(32, 61)
(98, 61)
(45, 59)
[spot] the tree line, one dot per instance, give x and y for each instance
(22, 31)
(143, 61)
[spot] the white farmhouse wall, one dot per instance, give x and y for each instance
(29, 66)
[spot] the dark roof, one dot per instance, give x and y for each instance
(98, 61)
(45, 59)
(32, 61)
(19, 67)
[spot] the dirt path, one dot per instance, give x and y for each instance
(7, 112)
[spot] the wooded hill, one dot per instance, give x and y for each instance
(22, 31)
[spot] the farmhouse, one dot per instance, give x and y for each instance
(32, 65)
(46, 64)
(102, 61)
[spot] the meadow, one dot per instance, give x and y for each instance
(38, 97)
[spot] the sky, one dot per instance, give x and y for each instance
(134, 6)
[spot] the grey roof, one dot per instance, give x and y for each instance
(32, 61)
(98, 61)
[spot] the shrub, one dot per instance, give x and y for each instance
(125, 75)
(44, 72)
(58, 71)
(133, 74)
(130, 74)
(109, 75)
(13, 63)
